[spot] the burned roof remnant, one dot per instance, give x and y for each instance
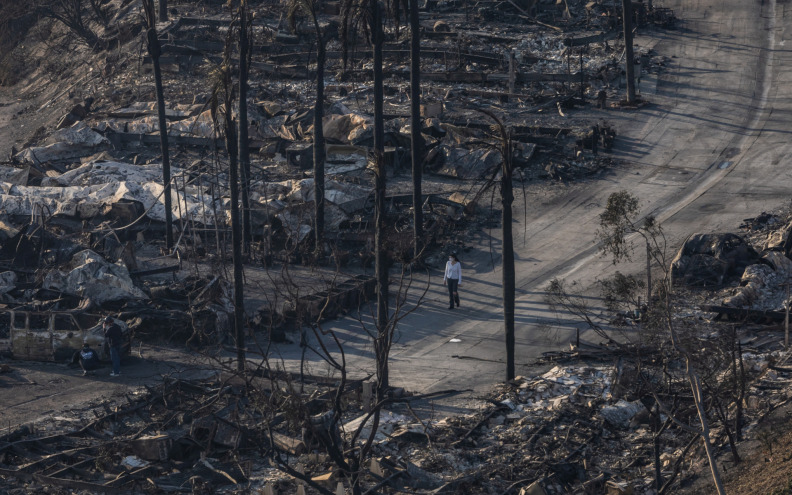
(748, 272)
(706, 259)
(91, 278)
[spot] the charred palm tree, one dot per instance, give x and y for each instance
(506, 171)
(310, 8)
(381, 262)
(155, 50)
(507, 199)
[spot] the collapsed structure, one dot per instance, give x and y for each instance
(84, 204)
(91, 179)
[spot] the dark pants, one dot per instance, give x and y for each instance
(85, 364)
(88, 364)
(115, 357)
(453, 295)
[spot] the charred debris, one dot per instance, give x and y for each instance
(599, 418)
(85, 195)
(83, 218)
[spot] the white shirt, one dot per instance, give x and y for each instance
(453, 271)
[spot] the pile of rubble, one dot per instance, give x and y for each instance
(83, 200)
(612, 418)
(750, 273)
(83, 214)
(103, 153)
(160, 434)
(580, 427)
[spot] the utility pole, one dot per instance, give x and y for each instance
(628, 49)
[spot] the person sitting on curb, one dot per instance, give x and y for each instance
(87, 358)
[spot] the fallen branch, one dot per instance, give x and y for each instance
(677, 464)
(481, 422)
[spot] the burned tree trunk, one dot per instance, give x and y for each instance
(155, 51)
(382, 342)
(507, 198)
(225, 84)
(236, 237)
(166, 175)
(648, 274)
(739, 385)
(628, 47)
(416, 141)
(318, 144)
(244, 146)
(658, 429)
(698, 400)
(163, 10)
(309, 7)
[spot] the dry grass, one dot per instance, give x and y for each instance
(766, 467)
(15, 21)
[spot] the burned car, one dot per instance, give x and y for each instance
(54, 335)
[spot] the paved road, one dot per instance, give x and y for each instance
(708, 152)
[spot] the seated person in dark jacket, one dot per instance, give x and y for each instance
(87, 358)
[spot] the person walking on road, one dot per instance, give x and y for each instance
(453, 278)
(115, 339)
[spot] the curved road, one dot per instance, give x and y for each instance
(710, 151)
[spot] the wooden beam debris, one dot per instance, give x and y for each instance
(594, 38)
(757, 315)
(300, 72)
(63, 482)
(155, 271)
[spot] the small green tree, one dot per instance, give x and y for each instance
(619, 223)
